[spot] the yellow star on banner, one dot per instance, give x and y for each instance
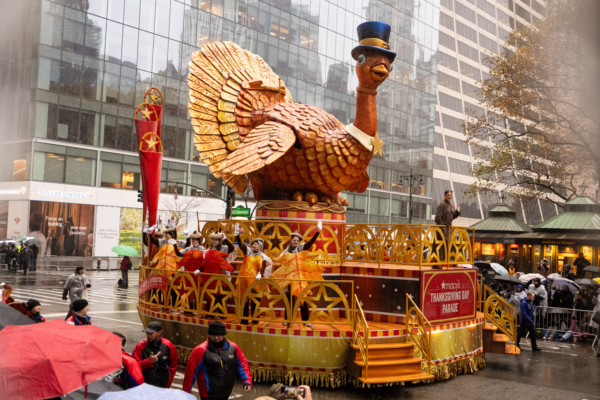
(146, 113)
(151, 143)
(377, 145)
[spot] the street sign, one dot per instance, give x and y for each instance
(240, 211)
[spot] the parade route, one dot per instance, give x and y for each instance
(560, 371)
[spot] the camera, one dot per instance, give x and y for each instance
(292, 392)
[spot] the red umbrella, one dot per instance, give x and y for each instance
(54, 358)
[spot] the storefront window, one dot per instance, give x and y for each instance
(131, 173)
(120, 172)
(15, 162)
(488, 252)
(62, 164)
(81, 166)
(110, 170)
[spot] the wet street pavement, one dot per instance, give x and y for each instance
(561, 371)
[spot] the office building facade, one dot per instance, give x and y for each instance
(73, 71)
(470, 31)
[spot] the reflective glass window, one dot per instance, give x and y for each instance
(80, 167)
(115, 10)
(49, 163)
(132, 13)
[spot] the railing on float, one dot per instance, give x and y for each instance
(215, 295)
(500, 313)
(418, 329)
(360, 333)
(408, 244)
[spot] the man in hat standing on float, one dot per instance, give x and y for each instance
(215, 364)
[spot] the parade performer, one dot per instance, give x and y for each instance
(215, 262)
(256, 264)
(296, 247)
(193, 243)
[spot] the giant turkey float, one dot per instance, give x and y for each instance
(381, 303)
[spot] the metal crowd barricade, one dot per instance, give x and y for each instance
(559, 320)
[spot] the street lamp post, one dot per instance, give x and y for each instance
(412, 179)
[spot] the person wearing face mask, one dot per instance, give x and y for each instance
(251, 268)
(215, 364)
(157, 357)
(296, 246)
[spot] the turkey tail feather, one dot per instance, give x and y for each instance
(227, 86)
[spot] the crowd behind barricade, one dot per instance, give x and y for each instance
(20, 256)
(555, 307)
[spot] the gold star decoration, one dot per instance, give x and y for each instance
(151, 143)
(153, 98)
(146, 113)
(377, 145)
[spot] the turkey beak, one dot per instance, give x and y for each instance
(379, 73)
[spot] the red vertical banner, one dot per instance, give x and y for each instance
(150, 149)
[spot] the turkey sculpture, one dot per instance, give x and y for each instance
(248, 128)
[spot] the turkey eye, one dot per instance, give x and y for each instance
(362, 59)
(391, 68)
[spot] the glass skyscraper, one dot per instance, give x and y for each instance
(73, 71)
(470, 31)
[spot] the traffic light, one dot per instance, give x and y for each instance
(140, 196)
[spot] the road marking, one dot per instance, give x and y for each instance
(178, 386)
(93, 313)
(118, 320)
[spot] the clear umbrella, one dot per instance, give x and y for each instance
(148, 392)
(559, 283)
(500, 270)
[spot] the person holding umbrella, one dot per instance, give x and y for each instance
(34, 308)
(126, 265)
(215, 364)
(157, 357)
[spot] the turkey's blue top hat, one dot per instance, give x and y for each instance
(374, 35)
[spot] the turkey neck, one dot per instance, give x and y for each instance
(366, 113)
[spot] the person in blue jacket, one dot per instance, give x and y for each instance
(527, 322)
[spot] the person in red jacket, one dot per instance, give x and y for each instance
(126, 265)
(131, 375)
(215, 364)
(33, 311)
(157, 357)
(79, 315)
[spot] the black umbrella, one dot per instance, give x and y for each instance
(10, 316)
(581, 282)
(592, 269)
(94, 390)
(508, 279)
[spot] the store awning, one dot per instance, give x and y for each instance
(504, 238)
(558, 238)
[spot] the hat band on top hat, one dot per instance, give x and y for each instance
(374, 42)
